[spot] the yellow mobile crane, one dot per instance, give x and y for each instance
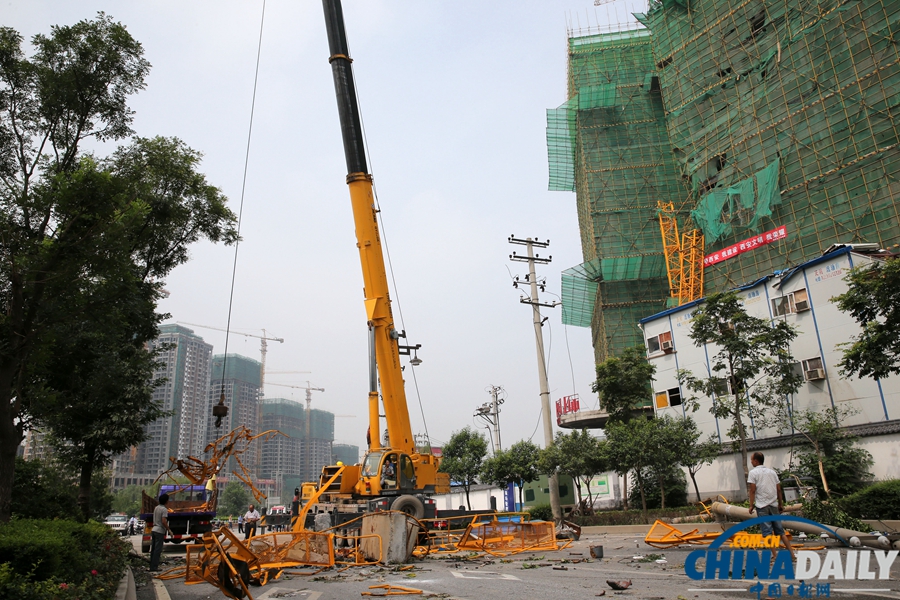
(396, 476)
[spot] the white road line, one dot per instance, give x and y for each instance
(477, 575)
(306, 594)
(160, 588)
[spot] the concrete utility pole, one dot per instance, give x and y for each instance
(490, 412)
(536, 305)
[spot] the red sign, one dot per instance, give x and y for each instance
(567, 404)
(746, 245)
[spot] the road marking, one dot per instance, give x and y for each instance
(472, 575)
(160, 588)
(289, 593)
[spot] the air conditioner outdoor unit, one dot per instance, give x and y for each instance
(666, 345)
(813, 374)
(801, 305)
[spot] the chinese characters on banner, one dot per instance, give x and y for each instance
(749, 244)
(567, 404)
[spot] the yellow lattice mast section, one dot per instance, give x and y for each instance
(668, 226)
(684, 256)
(691, 267)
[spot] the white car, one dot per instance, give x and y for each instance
(118, 523)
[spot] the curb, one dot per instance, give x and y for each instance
(127, 589)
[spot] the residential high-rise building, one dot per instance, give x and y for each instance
(345, 453)
(185, 366)
(239, 378)
(296, 457)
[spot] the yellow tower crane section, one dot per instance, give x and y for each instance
(684, 257)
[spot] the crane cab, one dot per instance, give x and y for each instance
(386, 472)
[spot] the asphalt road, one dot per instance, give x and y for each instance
(564, 574)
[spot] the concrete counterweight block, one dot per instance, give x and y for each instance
(397, 535)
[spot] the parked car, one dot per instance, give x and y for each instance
(118, 522)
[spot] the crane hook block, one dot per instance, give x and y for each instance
(220, 411)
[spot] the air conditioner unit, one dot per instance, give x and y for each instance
(813, 374)
(666, 345)
(801, 305)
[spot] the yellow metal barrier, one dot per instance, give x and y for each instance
(506, 537)
(663, 535)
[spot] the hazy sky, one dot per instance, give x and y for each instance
(453, 97)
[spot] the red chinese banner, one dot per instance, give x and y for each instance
(567, 404)
(749, 244)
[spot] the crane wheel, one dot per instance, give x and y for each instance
(410, 505)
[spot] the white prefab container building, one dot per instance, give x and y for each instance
(802, 297)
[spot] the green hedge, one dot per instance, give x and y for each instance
(879, 501)
(60, 559)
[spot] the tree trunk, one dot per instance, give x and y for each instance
(10, 438)
(696, 489)
(521, 501)
(662, 491)
(640, 481)
(468, 502)
(84, 485)
(625, 490)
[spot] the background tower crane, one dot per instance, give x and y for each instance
(263, 348)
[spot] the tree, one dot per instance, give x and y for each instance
(44, 489)
(85, 242)
(579, 455)
(829, 453)
(234, 500)
(624, 383)
(128, 499)
(752, 370)
(873, 300)
(631, 446)
(464, 457)
(518, 465)
(690, 452)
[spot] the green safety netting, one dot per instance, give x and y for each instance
(579, 292)
(718, 210)
(561, 147)
(597, 96)
(579, 283)
(237, 367)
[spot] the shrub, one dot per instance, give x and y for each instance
(541, 512)
(832, 514)
(60, 559)
(879, 501)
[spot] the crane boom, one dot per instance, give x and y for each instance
(383, 334)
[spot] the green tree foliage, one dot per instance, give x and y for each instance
(579, 455)
(690, 452)
(873, 300)
(828, 454)
(751, 370)
(673, 490)
(632, 446)
(463, 458)
(518, 465)
(234, 500)
(624, 383)
(86, 243)
(128, 500)
(44, 489)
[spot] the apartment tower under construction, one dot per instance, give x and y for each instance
(768, 126)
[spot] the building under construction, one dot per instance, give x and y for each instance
(307, 448)
(768, 126)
